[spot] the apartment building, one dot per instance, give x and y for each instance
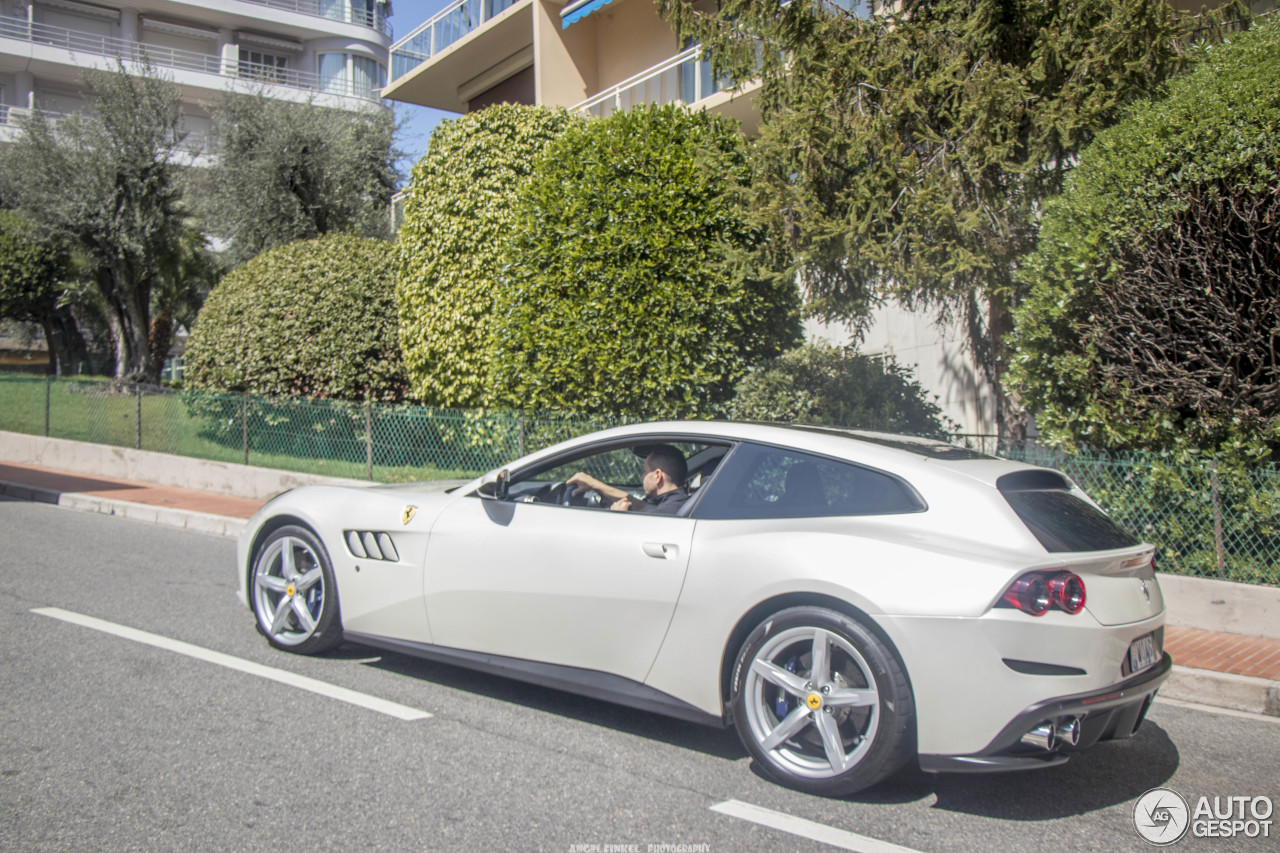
(333, 52)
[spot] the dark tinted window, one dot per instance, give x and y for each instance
(768, 482)
(1060, 520)
(929, 447)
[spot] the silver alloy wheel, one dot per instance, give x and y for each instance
(288, 585)
(811, 702)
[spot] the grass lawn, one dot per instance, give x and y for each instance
(87, 410)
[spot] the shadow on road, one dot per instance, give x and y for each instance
(720, 743)
(1104, 775)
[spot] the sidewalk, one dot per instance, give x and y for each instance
(1211, 667)
(202, 512)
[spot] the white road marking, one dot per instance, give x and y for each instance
(807, 829)
(1226, 712)
(342, 694)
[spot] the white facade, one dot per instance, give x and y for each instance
(331, 52)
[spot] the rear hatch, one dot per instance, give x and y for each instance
(1120, 584)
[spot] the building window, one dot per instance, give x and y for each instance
(365, 78)
(258, 65)
(333, 73)
(344, 74)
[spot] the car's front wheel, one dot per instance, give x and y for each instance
(821, 702)
(294, 595)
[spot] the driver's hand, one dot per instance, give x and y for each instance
(622, 504)
(583, 482)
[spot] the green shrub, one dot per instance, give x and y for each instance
(312, 319)
(623, 293)
(1154, 301)
(458, 212)
(823, 384)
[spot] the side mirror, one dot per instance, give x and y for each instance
(495, 484)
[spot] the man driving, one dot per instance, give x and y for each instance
(663, 483)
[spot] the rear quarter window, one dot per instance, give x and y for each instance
(1063, 522)
(769, 482)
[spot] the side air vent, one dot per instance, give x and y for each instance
(371, 545)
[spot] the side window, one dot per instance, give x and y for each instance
(619, 467)
(770, 482)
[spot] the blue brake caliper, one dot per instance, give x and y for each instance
(315, 600)
(782, 705)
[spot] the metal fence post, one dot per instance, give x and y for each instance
(48, 384)
(368, 438)
(1217, 518)
(137, 393)
(244, 425)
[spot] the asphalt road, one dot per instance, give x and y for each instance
(108, 743)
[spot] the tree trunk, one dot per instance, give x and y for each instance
(65, 341)
(128, 309)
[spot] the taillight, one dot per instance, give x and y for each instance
(1038, 592)
(1067, 592)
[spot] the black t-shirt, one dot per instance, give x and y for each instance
(667, 503)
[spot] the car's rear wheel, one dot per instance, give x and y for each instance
(821, 702)
(294, 595)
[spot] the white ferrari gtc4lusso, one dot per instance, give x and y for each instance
(849, 601)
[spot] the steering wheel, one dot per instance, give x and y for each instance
(560, 493)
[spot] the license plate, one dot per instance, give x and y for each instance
(1142, 654)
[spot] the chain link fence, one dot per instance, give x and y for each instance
(363, 441)
(1207, 520)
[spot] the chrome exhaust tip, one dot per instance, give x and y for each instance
(1041, 737)
(1067, 732)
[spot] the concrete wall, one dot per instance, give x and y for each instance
(938, 354)
(222, 478)
(1213, 605)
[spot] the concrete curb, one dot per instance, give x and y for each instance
(182, 519)
(1223, 690)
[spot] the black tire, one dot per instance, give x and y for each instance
(293, 593)
(830, 733)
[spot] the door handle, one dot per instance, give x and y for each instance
(662, 550)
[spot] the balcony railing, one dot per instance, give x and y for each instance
(685, 78)
(74, 41)
(449, 25)
(192, 142)
(334, 10)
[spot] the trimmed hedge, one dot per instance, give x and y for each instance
(458, 214)
(1153, 317)
(310, 319)
(624, 292)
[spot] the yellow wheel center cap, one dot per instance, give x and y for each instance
(814, 701)
(290, 590)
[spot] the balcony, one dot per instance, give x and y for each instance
(449, 25)
(192, 146)
(685, 78)
(334, 10)
(467, 47)
(75, 42)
